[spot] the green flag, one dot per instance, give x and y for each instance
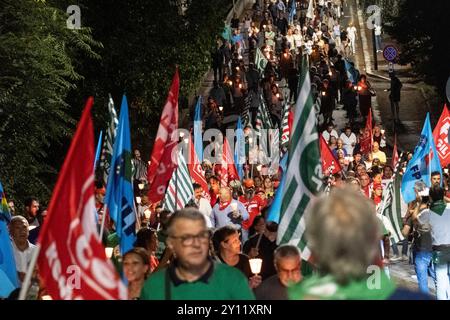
(260, 61)
(304, 173)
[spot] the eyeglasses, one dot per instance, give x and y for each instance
(188, 240)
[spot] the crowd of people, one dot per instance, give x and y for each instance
(204, 251)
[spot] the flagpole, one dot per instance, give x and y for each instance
(27, 280)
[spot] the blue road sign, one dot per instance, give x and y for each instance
(390, 53)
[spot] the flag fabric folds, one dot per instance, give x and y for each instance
(304, 173)
(105, 160)
(162, 165)
(395, 156)
(329, 161)
(285, 127)
(228, 169)
(180, 189)
(391, 209)
(441, 137)
(195, 168)
(8, 272)
(198, 124)
(119, 198)
(260, 61)
(424, 161)
(239, 150)
(275, 208)
(72, 261)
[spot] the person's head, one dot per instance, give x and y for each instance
(357, 156)
(333, 140)
(146, 238)
(136, 264)
(377, 176)
(188, 238)
(214, 183)
(375, 146)
(340, 154)
(330, 128)
(348, 131)
(364, 179)
(360, 170)
(249, 192)
(268, 184)
(258, 181)
(436, 193)
(436, 178)
(340, 143)
(376, 131)
(12, 207)
(378, 189)
(18, 228)
(325, 83)
(343, 235)
(388, 172)
(258, 225)
(226, 240)
(376, 162)
(137, 154)
(363, 78)
(288, 264)
(32, 206)
(198, 191)
(225, 194)
(353, 184)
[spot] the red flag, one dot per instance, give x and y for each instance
(162, 163)
(228, 169)
(440, 135)
(290, 121)
(365, 141)
(72, 261)
(395, 157)
(329, 161)
(195, 168)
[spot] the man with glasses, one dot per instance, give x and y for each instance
(193, 275)
(288, 265)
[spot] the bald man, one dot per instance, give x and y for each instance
(228, 211)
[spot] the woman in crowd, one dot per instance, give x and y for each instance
(136, 268)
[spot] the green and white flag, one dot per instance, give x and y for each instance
(304, 172)
(391, 209)
(285, 126)
(260, 61)
(263, 119)
(180, 189)
(107, 150)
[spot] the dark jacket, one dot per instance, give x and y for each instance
(395, 89)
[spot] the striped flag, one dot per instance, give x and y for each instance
(263, 119)
(105, 160)
(260, 61)
(391, 210)
(180, 189)
(245, 114)
(228, 169)
(285, 127)
(395, 157)
(304, 173)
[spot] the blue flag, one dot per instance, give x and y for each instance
(424, 161)
(352, 73)
(99, 148)
(275, 207)
(8, 272)
(239, 150)
(198, 137)
(119, 190)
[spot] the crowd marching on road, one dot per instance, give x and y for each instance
(217, 229)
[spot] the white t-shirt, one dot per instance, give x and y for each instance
(348, 142)
(205, 208)
(327, 135)
(377, 30)
(23, 258)
(351, 32)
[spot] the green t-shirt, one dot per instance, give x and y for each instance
(223, 283)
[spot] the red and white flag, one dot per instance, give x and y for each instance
(395, 156)
(365, 141)
(441, 136)
(228, 169)
(72, 260)
(164, 153)
(195, 168)
(329, 161)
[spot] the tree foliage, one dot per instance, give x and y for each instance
(37, 54)
(421, 28)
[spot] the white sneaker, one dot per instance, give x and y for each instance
(405, 257)
(396, 258)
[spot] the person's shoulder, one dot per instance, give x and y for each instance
(224, 270)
